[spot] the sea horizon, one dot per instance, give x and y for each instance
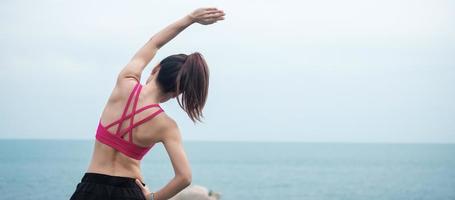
(254, 141)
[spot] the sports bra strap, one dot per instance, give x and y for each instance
(142, 121)
(130, 114)
(136, 91)
(130, 138)
(126, 109)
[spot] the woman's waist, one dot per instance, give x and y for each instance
(114, 176)
(115, 170)
(110, 180)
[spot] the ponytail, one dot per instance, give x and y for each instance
(187, 75)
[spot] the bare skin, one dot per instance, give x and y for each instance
(160, 129)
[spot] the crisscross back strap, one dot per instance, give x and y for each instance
(126, 109)
(142, 121)
(132, 125)
(133, 112)
(130, 114)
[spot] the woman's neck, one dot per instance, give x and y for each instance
(152, 92)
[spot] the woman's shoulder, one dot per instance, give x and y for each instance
(167, 125)
(122, 90)
(166, 122)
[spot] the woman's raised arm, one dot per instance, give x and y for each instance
(145, 54)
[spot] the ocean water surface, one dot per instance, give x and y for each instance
(51, 169)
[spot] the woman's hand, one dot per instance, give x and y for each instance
(206, 16)
(145, 190)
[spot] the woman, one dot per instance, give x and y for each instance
(126, 132)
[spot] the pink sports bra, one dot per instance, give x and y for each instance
(116, 140)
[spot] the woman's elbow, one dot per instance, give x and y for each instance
(186, 179)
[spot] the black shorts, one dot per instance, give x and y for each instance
(95, 186)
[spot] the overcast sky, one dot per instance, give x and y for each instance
(325, 71)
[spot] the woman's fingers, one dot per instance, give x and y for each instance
(215, 19)
(210, 12)
(211, 8)
(140, 184)
(213, 15)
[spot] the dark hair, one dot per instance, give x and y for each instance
(187, 75)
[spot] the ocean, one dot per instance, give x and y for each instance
(51, 169)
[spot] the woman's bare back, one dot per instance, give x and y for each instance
(107, 160)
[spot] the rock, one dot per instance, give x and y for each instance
(196, 192)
